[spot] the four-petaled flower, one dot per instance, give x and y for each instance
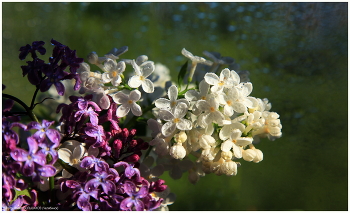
(141, 74)
(134, 202)
(128, 102)
(175, 119)
(170, 103)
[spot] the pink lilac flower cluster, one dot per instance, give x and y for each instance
(105, 177)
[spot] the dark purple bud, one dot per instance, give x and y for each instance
(133, 158)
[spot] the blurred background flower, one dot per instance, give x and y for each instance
(297, 56)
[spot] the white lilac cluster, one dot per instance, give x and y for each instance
(215, 120)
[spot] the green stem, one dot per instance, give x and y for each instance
(52, 185)
(33, 99)
(67, 167)
(28, 109)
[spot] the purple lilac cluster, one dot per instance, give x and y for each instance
(104, 188)
(25, 165)
(108, 179)
(44, 75)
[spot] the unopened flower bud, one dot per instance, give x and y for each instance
(178, 151)
(226, 155)
(259, 156)
(229, 168)
(249, 154)
(133, 158)
(181, 137)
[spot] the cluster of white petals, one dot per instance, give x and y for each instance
(216, 120)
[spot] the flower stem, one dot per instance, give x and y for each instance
(28, 109)
(52, 185)
(32, 105)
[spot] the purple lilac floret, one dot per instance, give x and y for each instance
(36, 46)
(34, 162)
(44, 130)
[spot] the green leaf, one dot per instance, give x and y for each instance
(182, 74)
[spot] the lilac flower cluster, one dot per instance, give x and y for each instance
(88, 161)
(44, 75)
(104, 188)
(26, 165)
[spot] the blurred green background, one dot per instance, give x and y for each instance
(297, 54)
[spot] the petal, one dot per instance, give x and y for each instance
(126, 204)
(147, 68)
(45, 85)
(28, 168)
(228, 110)
(91, 185)
(106, 78)
(244, 141)
(33, 145)
(121, 66)
(94, 119)
(184, 124)
(104, 102)
(239, 107)
(136, 68)
(83, 202)
(168, 128)
(135, 95)
(34, 125)
(120, 98)
(172, 93)
(78, 152)
(39, 158)
(191, 95)
(211, 78)
(165, 115)
(247, 103)
(227, 145)
(116, 80)
(87, 162)
(122, 111)
(237, 151)
(180, 110)
(147, 86)
(236, 133)
(247, 89)
(64, 154)
(47, 171)
(136, 110)
(183, 100)
(60, 88)
(134, 81)
(162, 103)
(53, 135)
(19, 155)
(225, 132)
(225, 74)
(235, 77)
(203, 105)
